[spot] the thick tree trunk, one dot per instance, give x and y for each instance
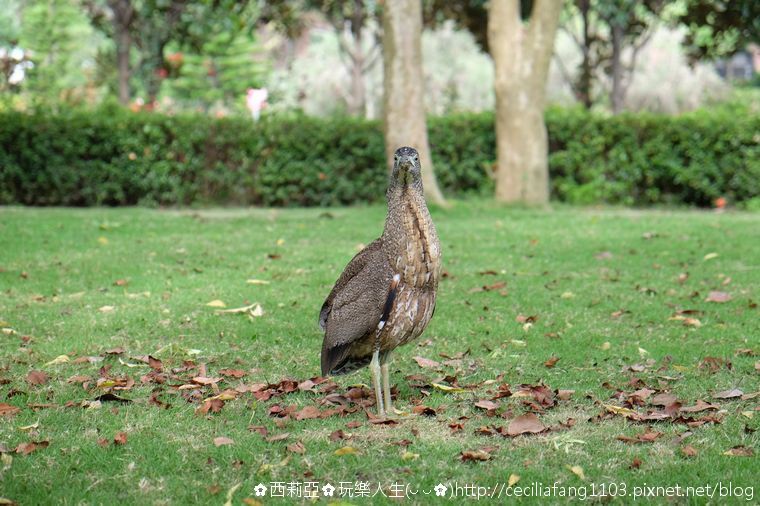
(403, 99)
(521, 55)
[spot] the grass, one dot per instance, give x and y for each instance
(571, 268)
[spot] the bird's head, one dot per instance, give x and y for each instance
(406, 167)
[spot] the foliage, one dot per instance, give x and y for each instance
(720, 27)
(149, 27)
(115, 157)
(52, 32)
(602, 30)
(219, 73)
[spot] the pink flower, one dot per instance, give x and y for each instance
(256, 100)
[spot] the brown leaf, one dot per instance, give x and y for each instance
(426, 362)
(233, 373)
(713, 364)
(155, 363)
(114, 351)
(663, 399)
(120, 282)
(337, 435)
(718, 297)
(27, 448)
(487, 405)
(551, 362)
(203, 380)
(699, 406)
(636, 463)
(527, 423)
(728, 394)
(423, 410)
(102, 442)
(526, 319)
(223, 441)
(36, 378)
(308, 412)
(296, 447)
(213, 405)
(689, 451)
(8, 410)
(739, 451)
(474, 455)
(565, 395)
(278, 437)
(120, 438)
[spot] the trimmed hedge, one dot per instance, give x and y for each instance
(116, 157)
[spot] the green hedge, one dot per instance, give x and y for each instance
(116, 157)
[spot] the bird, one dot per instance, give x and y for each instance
(386, 295)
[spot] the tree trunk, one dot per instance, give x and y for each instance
(403, 98)
(123, 44)
(358, 91)
(618, 92)
(585, 77)
(123, 16)
(521, 55)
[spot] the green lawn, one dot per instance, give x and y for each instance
(605, 287)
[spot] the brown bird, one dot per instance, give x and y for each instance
(385, 296)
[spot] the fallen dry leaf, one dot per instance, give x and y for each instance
(426, 362)
(234, 373)
(474, 456)
(487, 405)
(27, 448)
(699, 406)
(728, 394)
(337, 435)
(36, 378)
(308, 412)
(60, 359)
(106, 309)
(120, 438)
(715, 296)
(739, 451)
(551, 362)
(346, 450)
(8, 410)
(278, 437)
(216, 303)
(513, 479)
(447, 388)
(296, 447)
(223, 441)
(689, 451)
(577, 471)
(523, 424)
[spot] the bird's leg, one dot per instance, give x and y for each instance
(374, 367)
(385, 369)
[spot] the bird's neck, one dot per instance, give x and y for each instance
(410, 238)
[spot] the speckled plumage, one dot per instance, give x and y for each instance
(386, 295)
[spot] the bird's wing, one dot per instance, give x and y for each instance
(356, 305)
(354, 267)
